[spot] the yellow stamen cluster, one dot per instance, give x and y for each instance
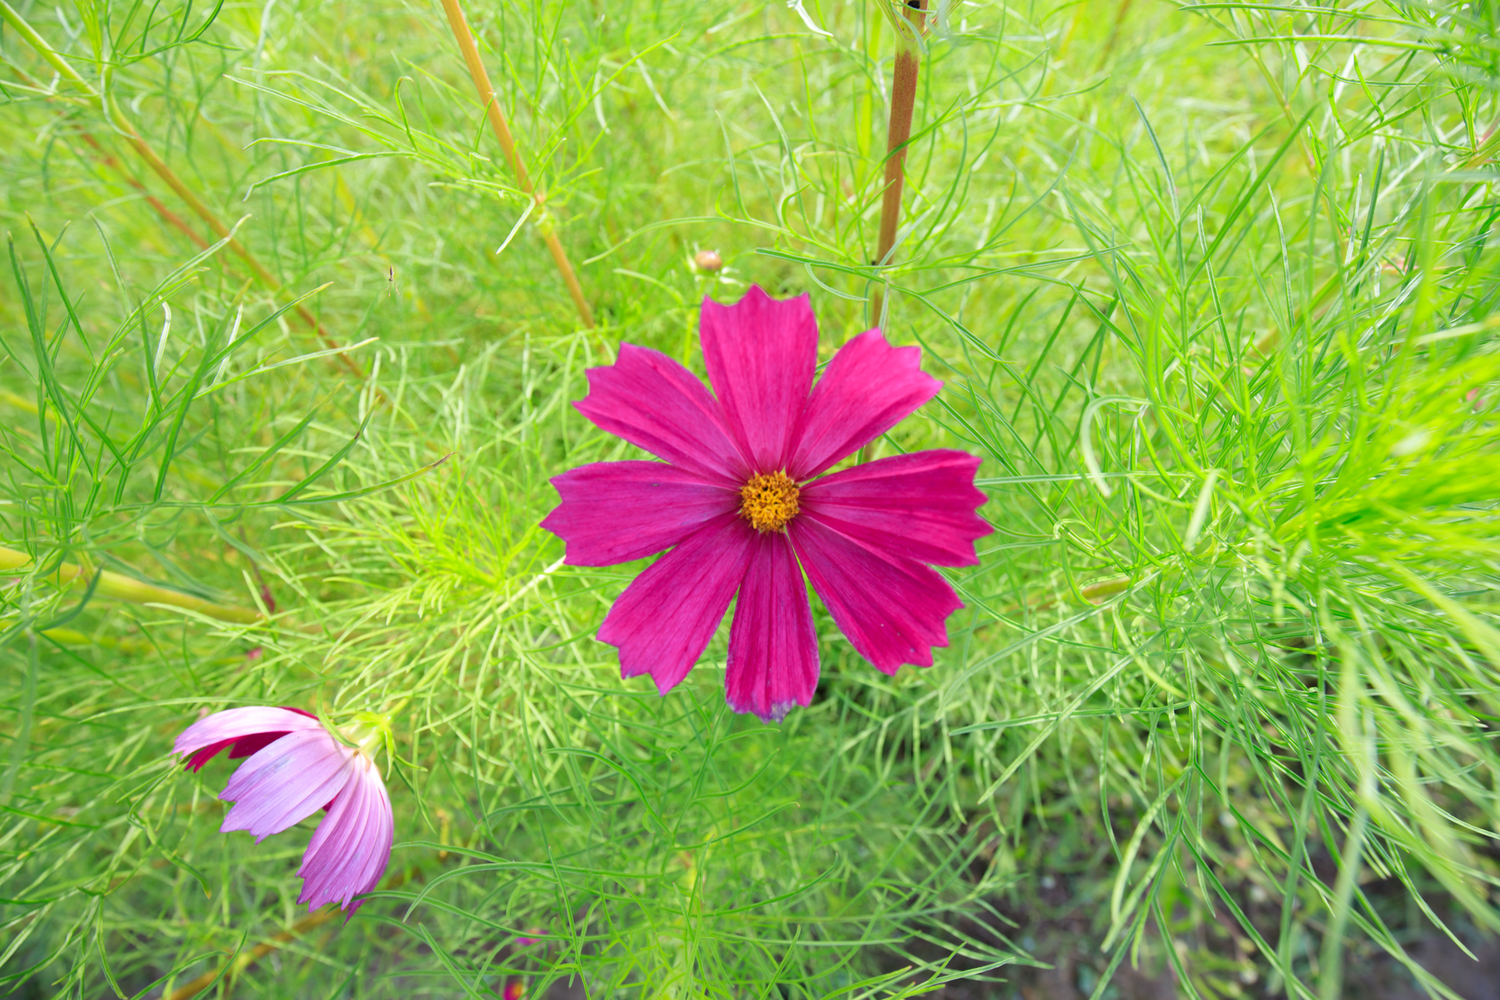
(769, 501)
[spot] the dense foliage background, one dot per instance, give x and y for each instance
(1212, 290)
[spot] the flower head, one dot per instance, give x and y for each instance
(295, 769)
(742, 500)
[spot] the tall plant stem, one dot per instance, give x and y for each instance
(903, 102)
(246, 959)
(470, 49)
(107, 106)
(168, 216)
(124, 588)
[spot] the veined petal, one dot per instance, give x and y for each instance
(892, 610)
(351, 848)
(773, 650)
(286, 782)
(654, 403)
(918, 506)
(233, 723)
(212, 734)
(664, 619)
(868, 388)
(613, 512)
(326, 868)
(760, 354)
(380, 854)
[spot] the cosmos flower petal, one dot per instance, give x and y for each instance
(295, 769)
(664, 619)
(613, 512)
(868, 388)
(892, 610)
(863, 537)
(286, 782)
(208, 753)
(332, 865)
(760, 354)
(378, 834)
(247, 745)
(225, 727)
(773, 650)
(351, 848)
(385, 827)
(918, 506)
(654, 403)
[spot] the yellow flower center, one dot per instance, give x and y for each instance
(769, 501)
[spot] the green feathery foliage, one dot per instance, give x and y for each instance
(1212, 292)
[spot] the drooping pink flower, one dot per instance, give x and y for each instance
(295, 769)
(743, 503)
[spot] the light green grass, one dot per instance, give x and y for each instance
(1211, 292)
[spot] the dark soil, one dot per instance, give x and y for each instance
(1062, 932)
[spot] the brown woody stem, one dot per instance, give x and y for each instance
(481, 77)
(127, 131)
(903, 103)
(246, 959)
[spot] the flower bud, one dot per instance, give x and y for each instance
(708, 260)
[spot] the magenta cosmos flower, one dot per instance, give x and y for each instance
(743, 503)
(295, 769)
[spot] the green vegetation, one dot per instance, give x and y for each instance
(1212, 290)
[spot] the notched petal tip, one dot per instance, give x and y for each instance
(351, 848)
(760, 354)
(656, 404)
(918, 507)
(868, 388)
(772, 716)
(773, 648)
(892, 610)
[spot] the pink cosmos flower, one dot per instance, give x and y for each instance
(743, 503)
(295, 769)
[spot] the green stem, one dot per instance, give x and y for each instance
(481, 77)
(124, 588)
(132, 136)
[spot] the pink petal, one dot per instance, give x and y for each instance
(760, 354)
(773, 650)
(664, 619)
(351, 848)
(891, 609)
(286, 782)
(247, 745)
(868, 388)
(918, 507)
(208, 753)
(654, 403)
(326, 871)
(208, 736)
(613, 512)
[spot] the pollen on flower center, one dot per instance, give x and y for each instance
(769, 501)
